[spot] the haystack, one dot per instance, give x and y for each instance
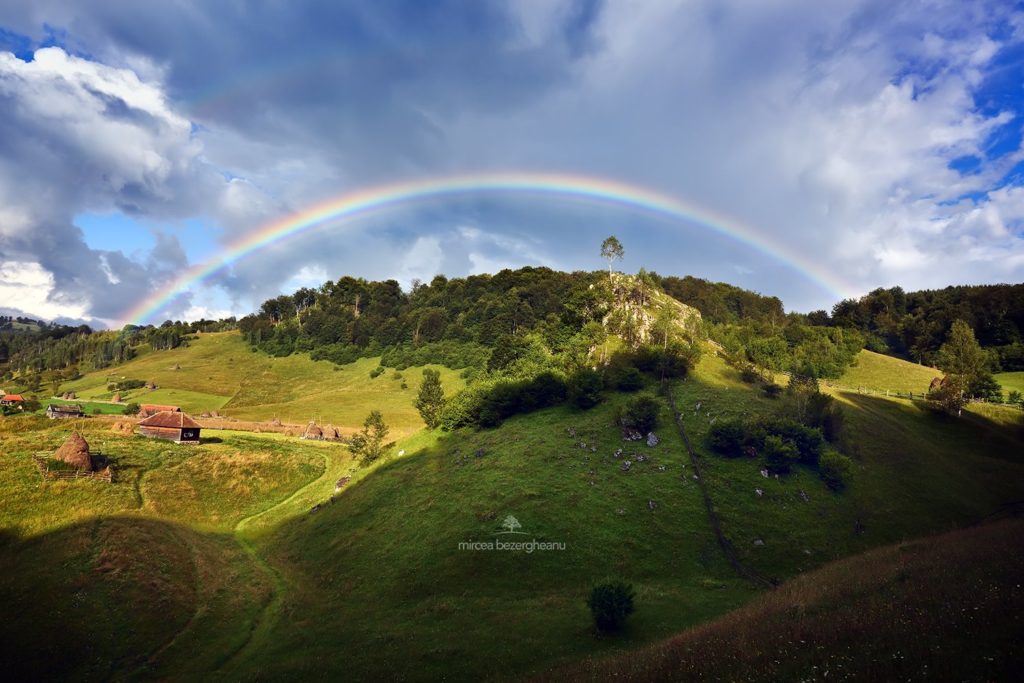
(331, 433)
(75, 452)
(116, 398)
(122, 427)
(313, 432)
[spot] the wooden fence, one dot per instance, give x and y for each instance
(43, 462)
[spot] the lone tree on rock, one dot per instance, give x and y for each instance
(368, 444)
(611, 251)
(430, 401)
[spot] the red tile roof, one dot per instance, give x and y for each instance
(157, 408)
(12, 397)
(170, 420)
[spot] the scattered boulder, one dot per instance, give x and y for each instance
(572, 432)
(804, 497)
(626, 465)
(340, 484)
(758, 543)
(641, 457)
(75, 452)
(480, 453)
(401, 453)
(764, 473)
(651, 505)
(759, 492)
(652, 440)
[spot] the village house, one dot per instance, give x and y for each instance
(12, 400)
(172, 425)
(147, 409)
(56, 411)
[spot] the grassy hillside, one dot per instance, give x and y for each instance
(889, 614)
(247, 564)
(1011, 381)
(219, 372)
(879, 373)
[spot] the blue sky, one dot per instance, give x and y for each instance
(880, 140)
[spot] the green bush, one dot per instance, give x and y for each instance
(641, 413)
(835, 469)
(772, 390)
(377, 372)
(628, 379)
(779, 455)
(131, 409)
(728, 438)
(807, 440)
(610, 603)
(585, 388)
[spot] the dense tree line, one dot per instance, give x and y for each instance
(914, 325)
(723, 303)
(62, 351)
(446, 321)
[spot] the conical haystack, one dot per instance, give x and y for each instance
(313, 432)
(75, 452)
(331, 433)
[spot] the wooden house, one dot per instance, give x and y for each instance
(56, 411)
(12, 400)
(172, 425)
(147, 409)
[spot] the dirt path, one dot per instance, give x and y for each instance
(752, 575)
(271, 612)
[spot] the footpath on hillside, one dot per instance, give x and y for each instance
(748, 573)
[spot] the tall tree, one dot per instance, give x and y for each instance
(964, 363)
(430, 401)
(611, 251)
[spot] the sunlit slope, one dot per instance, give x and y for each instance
(220, 372)
(879, 373)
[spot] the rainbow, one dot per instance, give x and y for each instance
(359, 203)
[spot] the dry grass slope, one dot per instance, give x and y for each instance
(894, 613)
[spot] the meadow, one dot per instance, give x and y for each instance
(219, 372)
(251, 564)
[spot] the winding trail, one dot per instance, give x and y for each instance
(271, 612)
(751, 575)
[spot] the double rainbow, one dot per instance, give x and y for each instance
(370, 200)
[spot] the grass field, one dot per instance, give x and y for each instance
(220, 372)
(1011, 381)
(249, 565)
(922, 625)
(879, 373)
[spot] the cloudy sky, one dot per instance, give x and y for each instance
(879, 142)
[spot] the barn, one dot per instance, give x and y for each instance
(56, 411)
(172, 425)
(147, 409)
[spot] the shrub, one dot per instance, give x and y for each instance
(610, 603)
(749, 374)
(1014, 398)
(377, 372)
(629, 379)
(131, 409)
(779, 455)
(396, 375)
(641, 413)
(772, 390)
(728, 438)
(834, 469)
(585, 388)
(807, 440)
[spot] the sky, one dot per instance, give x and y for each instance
(879, 142)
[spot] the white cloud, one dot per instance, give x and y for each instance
(30, 288)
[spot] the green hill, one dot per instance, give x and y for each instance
(1011, 381)
(219, 372)
(890, 614)
(241, 577)
(880, 373)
